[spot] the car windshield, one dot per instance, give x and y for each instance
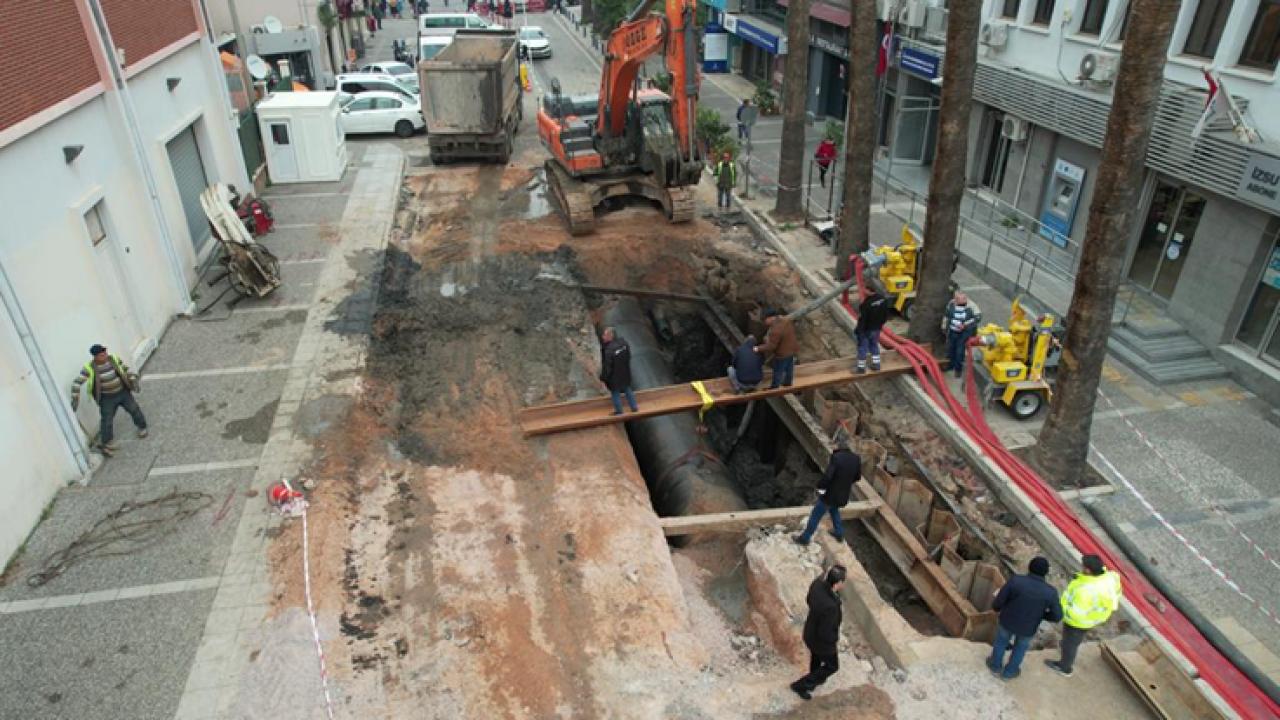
(399, 69)
(430, 51)
(532, 34)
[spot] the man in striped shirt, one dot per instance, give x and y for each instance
(112, 387)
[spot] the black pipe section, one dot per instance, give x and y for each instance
(1202, 623)
(683, 474)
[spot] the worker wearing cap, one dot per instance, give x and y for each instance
(1086, 603)
(112, 386)
(1023, 603)
(726, 180)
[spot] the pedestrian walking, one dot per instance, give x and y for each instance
(1087, 603)
(843, 470)
(508, 12)
(371, 22)
(1023, 603)
(873, 312)
(112, 386)
(824, 156)
(780, 342)
(744, 130)
(959, 322)
(822, 630)
(726, 180)
(746, 372)
(615, 369)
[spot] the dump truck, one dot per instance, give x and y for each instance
(471, 97)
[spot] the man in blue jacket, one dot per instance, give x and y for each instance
(1023, 602)
(747, 369)
(834, 489)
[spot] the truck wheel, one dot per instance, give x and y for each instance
(1026, 403)
(439, 158)
(908, 309)
(404, 129)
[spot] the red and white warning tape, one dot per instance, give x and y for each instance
(311, 612)
(1146, 504)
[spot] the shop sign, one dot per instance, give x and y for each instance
(919, 62)
(1260, 184)
(759, 37)
(826, 45)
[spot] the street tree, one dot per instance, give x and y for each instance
(859, 136)
(795, 87)
(1063, 447)
(946, 184)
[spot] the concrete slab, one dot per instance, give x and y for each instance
(325, 206)
(197, 420)
(292, 243)
(246, 340)
(125, 659)
(196, 547)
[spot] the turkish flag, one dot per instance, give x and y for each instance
(886, 49)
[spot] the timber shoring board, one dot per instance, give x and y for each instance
(1161, 684)
(739, 521)
(578, 414)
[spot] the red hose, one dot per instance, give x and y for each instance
(1223, 676)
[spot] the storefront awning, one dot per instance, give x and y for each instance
(825, 12)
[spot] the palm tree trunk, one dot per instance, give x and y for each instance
(795, 90)
(946, 184)
(859, 136)
(1063, 447)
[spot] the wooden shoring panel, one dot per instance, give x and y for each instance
(577, 414)
(739, 521)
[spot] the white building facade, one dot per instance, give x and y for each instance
(103, 238)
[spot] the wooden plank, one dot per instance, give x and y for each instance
(577, 414)
(739, 521)
(1162, 685)
(637, 292)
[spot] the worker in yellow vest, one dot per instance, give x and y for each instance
(1087, 602)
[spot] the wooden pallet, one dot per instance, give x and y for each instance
(578, 414)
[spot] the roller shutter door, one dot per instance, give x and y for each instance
(189, 175)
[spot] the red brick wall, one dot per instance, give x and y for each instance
(142, 27)
(46, 57)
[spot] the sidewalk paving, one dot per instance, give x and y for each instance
(1213, 477)
(168, 630)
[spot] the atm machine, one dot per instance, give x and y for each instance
(1060, 203)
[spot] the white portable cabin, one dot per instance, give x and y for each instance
(302, 137)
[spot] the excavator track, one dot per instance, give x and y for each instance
(573, 199)
(683, 203)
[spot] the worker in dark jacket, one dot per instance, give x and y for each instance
(615, 369)
(747, 369)
(822, 630)
(843, 470)
(781, 343)
(872, 314)
(1024, 602)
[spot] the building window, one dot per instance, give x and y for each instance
(280, 134)
(1206, 28)
(1258, 327)
(1044, 12)
(1095, 11)
(1010, 9)
(1263, 46)
(94, 223)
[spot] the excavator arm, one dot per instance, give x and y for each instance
(640, 36)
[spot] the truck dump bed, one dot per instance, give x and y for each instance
(472, 86)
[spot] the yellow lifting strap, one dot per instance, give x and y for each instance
(707, 400)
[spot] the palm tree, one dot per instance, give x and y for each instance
(1063, 446)
(946, 184)
(859, 137)
(795, 91)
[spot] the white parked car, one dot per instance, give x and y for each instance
(357, 83)
(382, 112)
(390, 67)
(535, 42)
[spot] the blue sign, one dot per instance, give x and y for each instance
(919, 62)
(757, 37)
(717, 4)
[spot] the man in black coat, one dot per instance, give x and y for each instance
(615, 369)
(1023, 602)
(822, 630)
(872, 314)
(843, 470)
(747, 369)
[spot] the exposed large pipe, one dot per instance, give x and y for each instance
(684, 475)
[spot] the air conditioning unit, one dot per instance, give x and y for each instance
(1013, 129)
(994, 34)
(912, 15)
(1099, 67)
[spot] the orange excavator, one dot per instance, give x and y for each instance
(629, 141)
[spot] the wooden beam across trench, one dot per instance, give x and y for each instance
(577, 414)
(732, 522)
